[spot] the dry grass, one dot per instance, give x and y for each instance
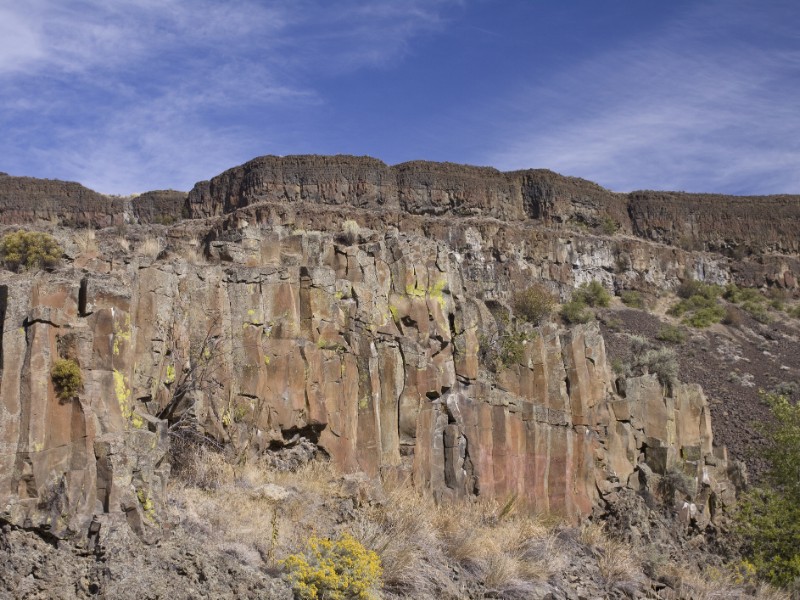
(450, 550)
(350, 232)
(617, 561)
(258, 514)
(249, 510)
(592, 534)
(402, 533)
(421, 543)
(151, 247)
(86, 241)
(194, 253)
(719, 584)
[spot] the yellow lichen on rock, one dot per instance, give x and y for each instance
(123, 394)
(122, 334)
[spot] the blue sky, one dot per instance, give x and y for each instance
(130, 95)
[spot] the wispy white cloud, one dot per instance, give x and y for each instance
(697, 107)
(130, 94)
(80, 35)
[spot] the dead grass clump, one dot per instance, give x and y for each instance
(248, 510)
(199, 466)
(734, 317)
(510, 553)
(151, 247)
(351, 232)
(592, 534)
(317, 476)
(714, 583)
(86, 241)
(402, 531)
(194, 254)
(421, 543)
(617, 561)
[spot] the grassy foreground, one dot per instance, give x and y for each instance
(426, 550)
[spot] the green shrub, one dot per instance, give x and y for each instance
(758, 311)
(592, 294)
(613, 324)
(512, 347)
(692, 287)
(737, 295)
(534, 304)
(334, 570)
(777, 304)
(689, 305)
(768, 519)
(794, 311)
(29, 250)
(661, 362)
(700, 306)
(644, 358)
(632, 298)
(576, 311)
(672, 334)
(638, 344)
(705, 316)
(67, 378)
(786, 388)
(608, 225)
(751, 300)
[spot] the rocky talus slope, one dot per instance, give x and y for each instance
(249, 313)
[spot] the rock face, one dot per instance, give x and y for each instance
(28, 200)
(736, 224)
(703, 221)
(377, 342)
(369, 348)
(415, 188)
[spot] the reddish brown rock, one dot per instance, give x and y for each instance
(369, 345)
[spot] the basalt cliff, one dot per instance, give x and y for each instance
(340, 303)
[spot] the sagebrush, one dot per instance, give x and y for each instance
(67, 378)
(768, 518)
(29, 250)
(534, 304)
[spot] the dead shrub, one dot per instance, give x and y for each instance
(534, 304)
(351, 232)
(734, 317)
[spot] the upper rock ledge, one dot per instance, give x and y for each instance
(67, 203)
(418, 187)
(735, 225)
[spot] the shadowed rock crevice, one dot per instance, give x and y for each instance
(3, 308)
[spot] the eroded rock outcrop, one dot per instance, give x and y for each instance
(27, 200)
(372, 345)
(369, 348)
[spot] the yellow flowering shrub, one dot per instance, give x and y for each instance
(29, 250)
(334, 570)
